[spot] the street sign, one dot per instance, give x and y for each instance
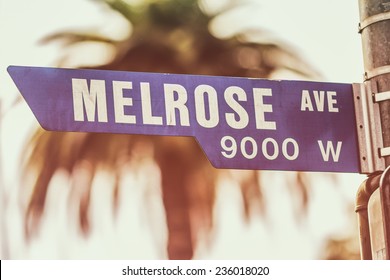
(241, 123)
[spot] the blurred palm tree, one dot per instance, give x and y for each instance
(344, 245)
(170, 36)
(346, 248)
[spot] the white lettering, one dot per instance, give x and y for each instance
(261, 108)
(244, 150)
(200, 106)
(121, 101)
(264, 148)
(229, 150)
(249, 148)
(332, 101)
(171, 105)
(243, 118)
(319, 100)
(330, 150)
(294, 143)
(306, 101)
(93, 98)
(147, 115)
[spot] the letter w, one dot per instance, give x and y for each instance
(96, 95)
(330, 150)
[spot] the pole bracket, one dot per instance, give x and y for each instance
(384, 152)
(382, 96)
(377, 72)
(373, 19)
(368, 125)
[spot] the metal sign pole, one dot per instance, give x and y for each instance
(366, 189)
(385, 205)
(375, 31)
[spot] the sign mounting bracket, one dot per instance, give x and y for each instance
(380, 97)
(368, 127)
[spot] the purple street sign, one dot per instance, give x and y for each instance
(241, 123)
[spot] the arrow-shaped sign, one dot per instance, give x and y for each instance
(240, 123)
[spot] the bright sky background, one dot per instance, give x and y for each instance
(325, 32)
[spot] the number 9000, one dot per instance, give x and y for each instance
(249, 148)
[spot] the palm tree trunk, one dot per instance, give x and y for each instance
(175, 167)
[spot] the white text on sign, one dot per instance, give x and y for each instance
(88, 99)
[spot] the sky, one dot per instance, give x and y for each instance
(324, 32)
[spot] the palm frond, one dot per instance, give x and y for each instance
(72, 37)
